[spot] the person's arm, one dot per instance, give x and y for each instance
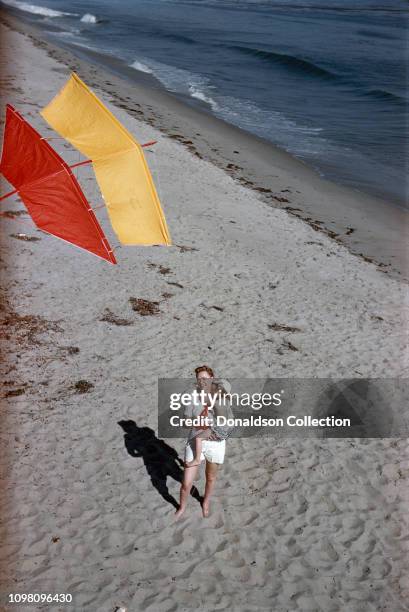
(188, 409)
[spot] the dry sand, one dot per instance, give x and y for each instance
(294, 526)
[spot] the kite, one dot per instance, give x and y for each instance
(119, 164)
(48, 188)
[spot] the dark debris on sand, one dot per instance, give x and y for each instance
(110, 317)
(144, 307)
(288, 345)
(23, 329)
(218, 308)
(83, 386)
(161, 269)
(283, 328)
(71, 350)
(15, 392)
(185, 249)
(12, 214)
(25, 237)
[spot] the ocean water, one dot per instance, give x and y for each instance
(324, 79)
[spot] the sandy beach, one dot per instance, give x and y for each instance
(294, 526)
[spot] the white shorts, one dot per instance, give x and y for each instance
(212, 450)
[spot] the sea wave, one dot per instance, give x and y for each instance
(291, 135)
(302, 139)
(37, 10)
(290, 61)
(72, 33)
(268, 5)
(141, 67)
(297, 138)
(90, 18)
(178, 38)
(84, 45)
(196, 92)
(382, 94)
(375, 34)
(179, 80)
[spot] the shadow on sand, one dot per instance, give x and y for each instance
(160, 459)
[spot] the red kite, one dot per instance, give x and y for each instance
(48, 188)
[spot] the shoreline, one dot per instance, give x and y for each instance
(369, 227)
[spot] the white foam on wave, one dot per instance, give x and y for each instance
(179, 80)
(90, 47)
(196, 92)
(141, 67)
(90, 18)
(66, 33)
(291, 135)
(34, 9)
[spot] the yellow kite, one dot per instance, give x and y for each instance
(119, 163)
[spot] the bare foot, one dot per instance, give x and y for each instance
(179, 513)
(205, 509)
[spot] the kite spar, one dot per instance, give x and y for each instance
(48, 188)
(119, 164)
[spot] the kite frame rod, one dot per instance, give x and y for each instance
(89, 161)
(83, 163)
(148, 144)
(7, 195)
